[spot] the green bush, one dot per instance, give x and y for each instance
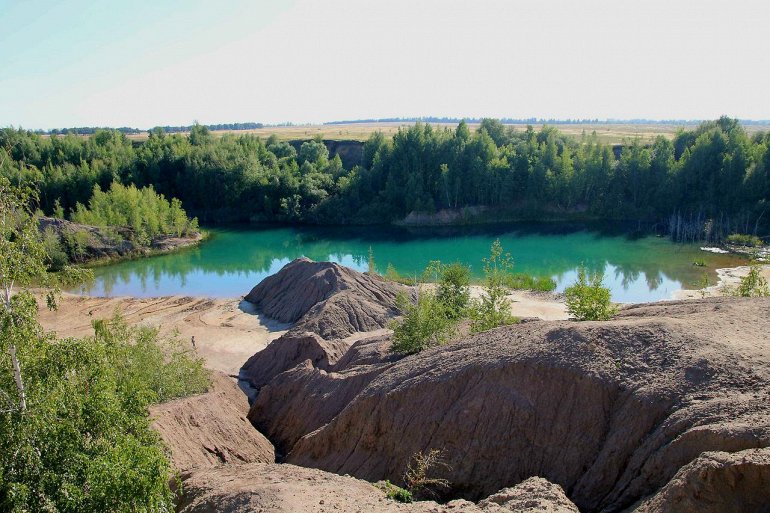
(494, 308)
(587, 299)
(84, 442)
(397, 493)
(741, 239)
(753, 284)
(424, 324)
(454, 289)
(56, 258)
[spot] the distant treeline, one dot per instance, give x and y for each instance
(715, 177)
(90, 130)
(544, 121)
(221, 126)
(87, 130)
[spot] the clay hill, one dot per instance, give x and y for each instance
(326, 298)
(665, 408)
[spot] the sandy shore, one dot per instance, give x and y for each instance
(524, 303)
(227, 331)
(728, 278)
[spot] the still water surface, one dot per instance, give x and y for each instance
(637, 268)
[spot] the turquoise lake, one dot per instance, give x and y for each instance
(637, 268)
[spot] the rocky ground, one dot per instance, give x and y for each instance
(666, 408)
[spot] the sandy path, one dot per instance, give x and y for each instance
(531, 304)
(227, 331)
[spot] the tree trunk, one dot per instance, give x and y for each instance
(17, 378)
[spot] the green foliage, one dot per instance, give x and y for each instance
(149, 214)
(587, 299)
(740, 239)
(454, 289)
(424, 324)
(58, 210)
(84, 442)
(715, 171)
(698, 262)
(396, 493)
(56, 257)
(74, 429)
(391, 274)
(494, 308)
(753, 284)
(76, 244)
(523, 281)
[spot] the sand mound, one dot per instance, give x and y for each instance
(326, 298)
(290, 489)
(289, 351)
(211, 428)
(533, 495)
(610, 411)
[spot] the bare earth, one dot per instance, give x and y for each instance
(227, 331)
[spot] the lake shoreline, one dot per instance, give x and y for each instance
(727, 278)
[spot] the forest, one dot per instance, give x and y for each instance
(715, 177)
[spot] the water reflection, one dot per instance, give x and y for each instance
(636, 268)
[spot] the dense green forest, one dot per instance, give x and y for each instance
(715, 176)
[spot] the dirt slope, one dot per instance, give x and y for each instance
(289, 489)
(717, 482)
(610, 411)
(326, 298)
(209, 429)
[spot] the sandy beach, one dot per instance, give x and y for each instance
(227, 331)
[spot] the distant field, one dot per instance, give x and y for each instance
(607, 133)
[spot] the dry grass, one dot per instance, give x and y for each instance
(607, 133)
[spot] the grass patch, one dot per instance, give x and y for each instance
(742, 239)
(523, 281)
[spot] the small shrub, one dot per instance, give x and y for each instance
(699, 263)
(494, 308)
(424, 324)
(397, 493)
(418, 479)
(56, 258)
(391, 274)
(753, 284)
(742, 239)
(587, 299)
(454, 289)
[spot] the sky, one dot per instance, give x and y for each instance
(171, 62)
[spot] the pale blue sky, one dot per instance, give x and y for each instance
(143, 63)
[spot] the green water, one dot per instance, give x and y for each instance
(636, 268)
